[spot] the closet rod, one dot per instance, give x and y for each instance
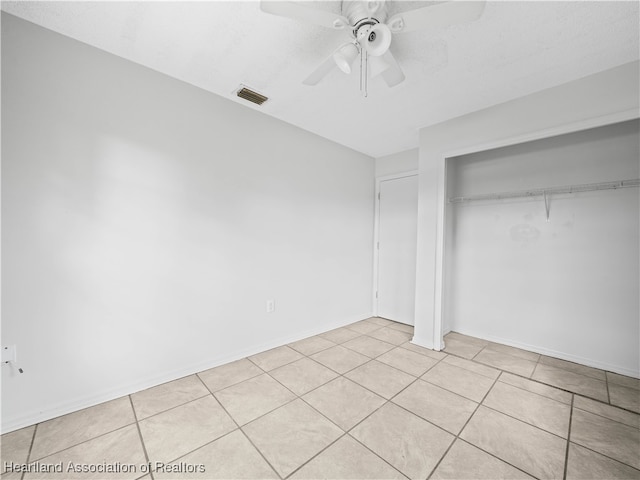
(587, 187)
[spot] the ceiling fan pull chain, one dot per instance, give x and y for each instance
(364, 64)
(361, 67)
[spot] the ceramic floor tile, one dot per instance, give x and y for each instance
(459, 380)
(539, 411)
(340, 335)
(168, 395)
(574, 382)
(390, 335)
(382, 379)
(347, 459)
(574, 367)
(172, 434)
(584, 464)
(121, 447)
(252, 398)
(229, 457)
(366, 345)
(466, 339)
(504, 361)
(407, 361)
(14, 446)
(441, 407)
(616, 440)
(528, 448)
(464, 461)
(12, 475)
(623, 380)
(276, 357)
(63, 432)
(380, 321)
(229, 374)
(624, 397)
(340, 359)
(460, 348)
(344, 402)
(424, 351)
(406, 441)
(513, 351)
(303, 375)
(536, 387)
(472, 366)
(608, 411)
(402, 327)
(291, 435)
(364, 326)
(311, 345)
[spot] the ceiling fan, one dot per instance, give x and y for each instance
(372, 30)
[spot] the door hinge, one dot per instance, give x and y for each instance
(378, 246)
(378, 195)
(376, 294)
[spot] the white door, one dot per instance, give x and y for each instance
(397, 237)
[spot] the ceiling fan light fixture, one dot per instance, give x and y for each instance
(376, 39)
(345, 56)
(377, 65)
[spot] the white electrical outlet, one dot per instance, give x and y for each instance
(9, 354)
(271, 306)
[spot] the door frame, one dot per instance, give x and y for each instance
(376, 231)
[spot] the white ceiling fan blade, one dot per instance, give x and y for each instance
(320, 72)
(437, 16)
(325, 67)
(298, 11)
(377, 65)
(392, 75)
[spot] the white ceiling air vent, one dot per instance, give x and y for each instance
(250, 95)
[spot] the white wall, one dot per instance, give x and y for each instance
(145, 223)
(567, 287)
(400, 162)
(594, 100)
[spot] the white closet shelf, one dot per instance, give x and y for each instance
(536, 192)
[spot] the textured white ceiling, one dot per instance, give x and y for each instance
(514, 49)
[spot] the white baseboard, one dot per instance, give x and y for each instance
(555, 354)
(73, 405)
(422, 342)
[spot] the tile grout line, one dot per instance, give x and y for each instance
(566, 454)
(233, 384)
(174, 407)
(536, 393)
(283, 365)
(121, 427)
(604, 416)
(457, 436)
(33, 440)
(322, 414)
(524, 421)
(347, 432)
(386, 401)
(607, 456)
(238, 428)
(544, 383)
(144, 446)
(536, 367)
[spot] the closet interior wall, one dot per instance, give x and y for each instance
(566, 286)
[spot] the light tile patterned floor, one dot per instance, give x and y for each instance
(359, 402)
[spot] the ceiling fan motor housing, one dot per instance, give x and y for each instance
(362, 13)
(368, 19)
